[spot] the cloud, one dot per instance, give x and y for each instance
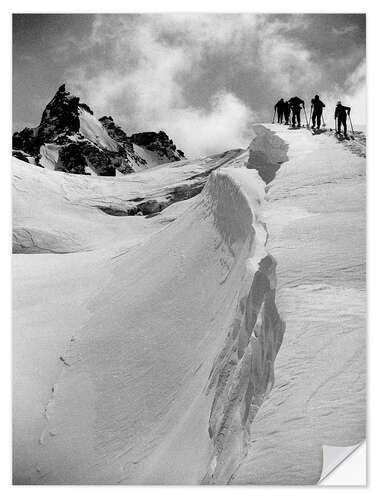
(358, 97)
(287, 62)
(225, 126)
(193, 72)
(344, 30)
(148, 92)
(355, 97)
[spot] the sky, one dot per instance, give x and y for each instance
(203, 78)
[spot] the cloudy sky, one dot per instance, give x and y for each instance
(203, 78)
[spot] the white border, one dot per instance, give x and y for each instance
(75, 6)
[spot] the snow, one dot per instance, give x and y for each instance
(59, 212)
(319, 393)
(189, 255)
(220, 341)
(49, 156)
(152, 158)
(93, 130)
(50, 214)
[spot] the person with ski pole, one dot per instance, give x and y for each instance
(340, 113)
(279, 107)
(295, 105)
(317, 106)
(286, 112)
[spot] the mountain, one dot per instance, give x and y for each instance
(71, 139)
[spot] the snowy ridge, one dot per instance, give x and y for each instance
(315, 215)
(207, 281)
(243, 373)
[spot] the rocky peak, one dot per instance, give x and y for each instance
(61, 116)
(71, 139)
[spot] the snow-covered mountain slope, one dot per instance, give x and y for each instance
(93, 130)
(151, 362)
(71, 139)
(219, 341)
(315, 214)
(61, 213)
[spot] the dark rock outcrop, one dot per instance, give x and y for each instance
(26, 141)
(114, 130)
(20, 155)
(72, 159)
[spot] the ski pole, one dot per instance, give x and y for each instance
(304, 109)
(273, 119)
(351, 123)
(310, 116)
(323, 120)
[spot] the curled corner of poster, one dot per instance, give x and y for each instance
(344, 465)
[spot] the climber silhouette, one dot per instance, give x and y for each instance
(341, 113)
(317, 109)
(295, 105)
(279, 107)
(286, 112)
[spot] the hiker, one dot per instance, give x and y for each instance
(279, 107)
(295, 105)
(317, 108)
(286, 112)
(340, 114)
